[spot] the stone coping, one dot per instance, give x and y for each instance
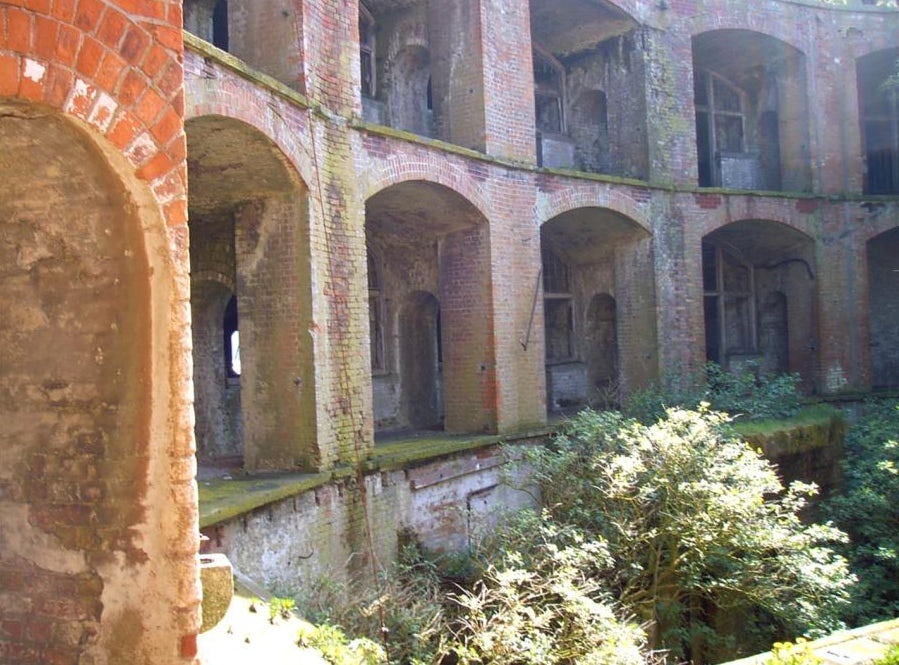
(860, 646)
(228, 494)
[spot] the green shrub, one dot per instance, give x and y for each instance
(332, 643)
(749, 395)
(699, 528)
(867, 511)
(541, 602)
(890, 658)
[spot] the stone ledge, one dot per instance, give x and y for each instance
(860, 646)
(227, 497)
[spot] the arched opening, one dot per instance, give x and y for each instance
(246, 203)
(759, 299)
(602, 351)
(750, 97)
(217, 412)
(430, 246)
(589, 88)
(878, 98)
(589, 254)
(883, 285)
(76, 447)
(420, 361)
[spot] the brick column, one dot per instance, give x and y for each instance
(481, 76)
(268, 35)
(678, 275)
(277, 382)
(842, 305)
(671, 130)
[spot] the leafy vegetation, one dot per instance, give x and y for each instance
(334, 646)
(747, 395)
(890, 658)
(667, 541)
(866, 510)
(404, 610)
(787, 653)
(699, 527)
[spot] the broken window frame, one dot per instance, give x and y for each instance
(557, 297)
(882, 176)
(713, 118)
(724, 299)
(368, 73)
(553, 91)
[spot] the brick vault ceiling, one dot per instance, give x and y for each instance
(568, 27)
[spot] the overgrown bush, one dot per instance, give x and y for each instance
(699, 528)
(747, 395)
(403, 609)
(543, 603)
(867, 511)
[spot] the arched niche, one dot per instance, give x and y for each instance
(249, 224)
(80, 445)
(431, 246)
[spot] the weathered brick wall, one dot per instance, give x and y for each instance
(320, 539)
(268, 35)
(97, 497)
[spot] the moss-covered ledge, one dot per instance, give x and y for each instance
(222, 499)
(807, 447)
(225, 498)
(813, 427)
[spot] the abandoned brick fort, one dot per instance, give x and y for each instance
(273, 231)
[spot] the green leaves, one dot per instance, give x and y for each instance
(696, 523)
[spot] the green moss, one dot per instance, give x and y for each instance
(815, 427)
(812, 415)
(402, 453)
(221, 499)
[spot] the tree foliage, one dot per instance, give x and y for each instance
(699, 528)
(867, 511)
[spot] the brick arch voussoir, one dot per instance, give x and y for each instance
(877, 227)
(120, 74)
(873, 45)
(215, 276)
(568, 200)
(260, 116)
(783, 220)
(705, 23)
(400, 168)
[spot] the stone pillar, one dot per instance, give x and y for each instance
(844, 350)
(277, 381)
(671, 131)
(481, 76)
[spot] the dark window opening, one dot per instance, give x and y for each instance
(728, 303)
(719, 124)
(220, 25)
(549, 88)
(878, 91)
(367, 52)
(558, 310)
